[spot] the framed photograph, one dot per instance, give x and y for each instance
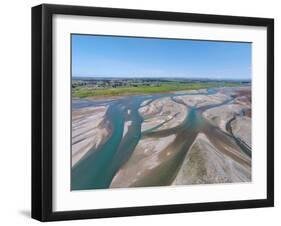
(145, 112)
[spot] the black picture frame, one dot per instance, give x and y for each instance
(42, 111)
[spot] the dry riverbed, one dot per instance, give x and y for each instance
(202, 100)
(237, 114)
(205, 164)
(149, 154)
(89, 130)
(162, 113)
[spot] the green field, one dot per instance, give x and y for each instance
(85, 91)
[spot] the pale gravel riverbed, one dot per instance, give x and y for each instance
(178, 144)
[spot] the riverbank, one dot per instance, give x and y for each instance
(234, 117)
(90, 129)
(205, 164)
(149, 154)
(145, 89)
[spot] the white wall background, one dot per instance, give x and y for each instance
(15, 120)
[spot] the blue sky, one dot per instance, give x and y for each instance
(109, 56)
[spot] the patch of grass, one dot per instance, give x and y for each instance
(83, 91)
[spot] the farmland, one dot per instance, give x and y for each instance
(124, 87)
